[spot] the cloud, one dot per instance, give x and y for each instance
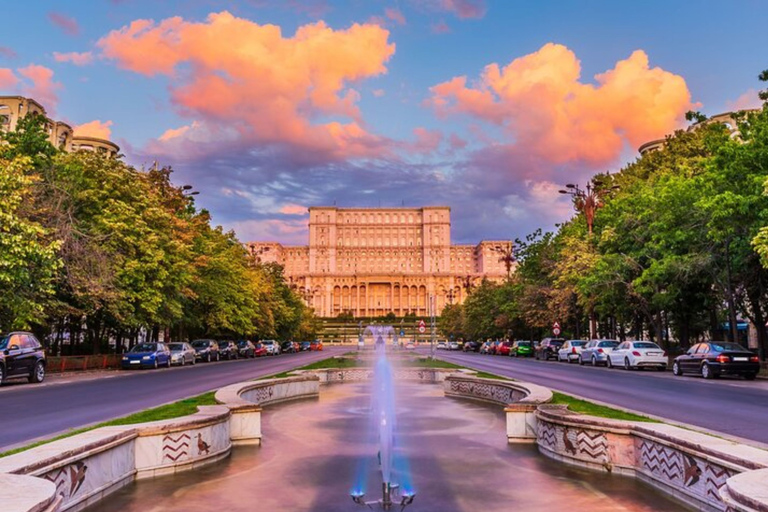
(544, 108)
(42, 87)
(66, 23)
(96, 128)
(236, 76)
(746, 101)
(78, 59)
(293, 209)
(7, 52)
(378, 92)
(395, 15)
(440, 27)
(462, 9)
(8, 79)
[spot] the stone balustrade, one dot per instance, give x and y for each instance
(519, 399)
(707, 472)
(337, 375)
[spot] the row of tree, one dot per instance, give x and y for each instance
(679, 250)
(95, 253)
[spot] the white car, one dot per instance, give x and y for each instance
(453, 345)
(273, 347)
(638, 354)
(570, 351)
(441, 345)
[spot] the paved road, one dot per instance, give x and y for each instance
(29, 412)
(732, 406)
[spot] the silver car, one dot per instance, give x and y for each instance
(596, 352)
(182, 353)
(273, 347)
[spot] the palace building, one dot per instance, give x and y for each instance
(374, 261)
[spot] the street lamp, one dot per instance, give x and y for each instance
(587, 201)
(450, 296)
(507, 256)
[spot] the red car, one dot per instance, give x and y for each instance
(261, 350)
(315, 345)
(503, 348)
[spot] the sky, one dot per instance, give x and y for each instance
(267, 107)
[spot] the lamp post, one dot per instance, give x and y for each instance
(587, 201)
(450, 296)
(507, 257)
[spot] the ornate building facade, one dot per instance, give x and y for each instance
(374, 261)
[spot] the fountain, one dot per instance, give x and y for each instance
(395, 474)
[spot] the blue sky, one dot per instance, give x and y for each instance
(391, 126)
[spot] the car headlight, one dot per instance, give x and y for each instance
(125, 358)
(147, 357)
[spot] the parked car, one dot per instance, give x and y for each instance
(316, 345)
(504, 348)
(410, 345)
(570, 351)
(305, 346)
(260, 349)
(289, 347)
(522, 349)
(227, 349)
(273, 347)
(207, 350)
(638, 354)
(147, 355)
(471, 346)
(485, 347)
(715, 358)
(548, 348)
(182, 353)
(441, 345)
(453, 345)
(21, 355)
(596, 352)
(246, 349)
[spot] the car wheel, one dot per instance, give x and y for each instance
(168, 363)
(38, 373)
(707, 372)
(155, 365)
(581, 361)
(183, 361)
(2, 374)
(676, 371)
(594, 361)
(627, 366)
(750, 376)
(194, 361)
(608, 362)
(218, 357)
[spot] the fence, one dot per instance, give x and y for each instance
(59, 364)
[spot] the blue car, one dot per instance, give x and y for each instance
(147, 355)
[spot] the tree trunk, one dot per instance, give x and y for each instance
(731, 302)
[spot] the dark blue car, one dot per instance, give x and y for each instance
(147, 355)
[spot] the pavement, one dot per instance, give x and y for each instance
(727, 405)
(38, 411)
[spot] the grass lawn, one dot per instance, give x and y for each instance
(593, 409)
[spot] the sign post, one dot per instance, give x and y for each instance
(556, 329)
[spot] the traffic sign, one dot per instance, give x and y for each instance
(422, 327)
(556, 328)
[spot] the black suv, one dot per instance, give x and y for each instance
(548, 348)
(206, 350)
(21, 355)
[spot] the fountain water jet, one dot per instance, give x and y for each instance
(395, 473)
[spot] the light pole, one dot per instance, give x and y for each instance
(587, 201)
(450, 296)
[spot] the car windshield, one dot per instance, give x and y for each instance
(268, 342)
(645, 344)
(609, 344)
(727, 346)
(144, 347)
(523, 343)
(176, 347)
(578, 343)
(4, 341)
(555, 343)
(242, 343)
(199, 343)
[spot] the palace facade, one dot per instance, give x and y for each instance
(374, 261)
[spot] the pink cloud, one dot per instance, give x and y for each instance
(8, 79)
(293, 209)
(541, 104)
(746, 101)
(462, 9)
(250, 79)
(395, 15)
(427, 141)
(441, 27)
(96, 128)
(78, 59)
(66, 23)
(8, 53)
(286, 231)
(42, 88)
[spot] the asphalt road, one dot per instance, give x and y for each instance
(29, 412)
(728, 405)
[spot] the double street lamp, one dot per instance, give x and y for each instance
(588, 200)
